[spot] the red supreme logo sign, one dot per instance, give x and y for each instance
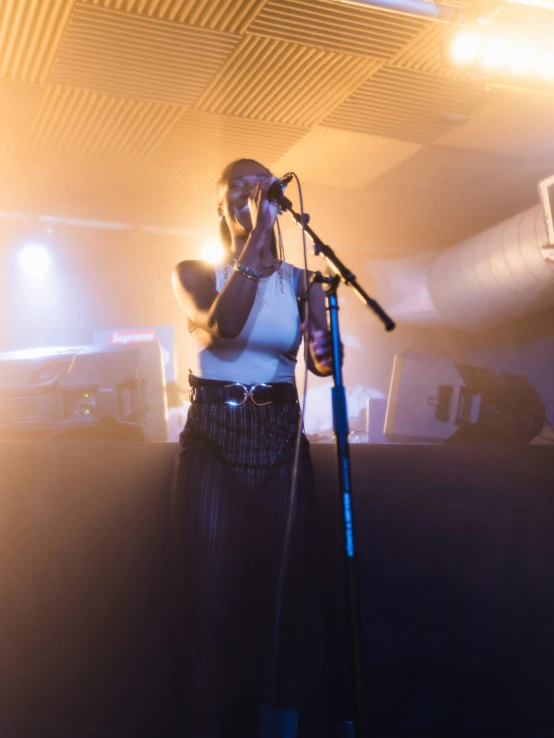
(124, 337)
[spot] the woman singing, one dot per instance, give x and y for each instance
(232, 481)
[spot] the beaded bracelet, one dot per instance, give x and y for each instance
(246, 271)
(248, 276)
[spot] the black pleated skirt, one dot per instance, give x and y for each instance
(231, 499)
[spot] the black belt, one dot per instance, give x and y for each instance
(235, 393)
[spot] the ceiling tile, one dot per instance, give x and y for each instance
(347, 159)
(212, 141)
(92, 124)
(514, 124)
(216, 15)
(30, 34)
(261, 81)
(175, 175)
(424, 53)
(128, 100)
(338, 27)
(130, 56)
(19, 105)
(407, 104)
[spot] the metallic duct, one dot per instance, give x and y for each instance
(497, 275)
(424, 8)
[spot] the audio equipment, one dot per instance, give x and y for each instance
(434, 399)
(84, 393)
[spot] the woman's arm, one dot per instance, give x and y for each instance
(222, 314)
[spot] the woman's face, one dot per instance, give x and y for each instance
(234, 194)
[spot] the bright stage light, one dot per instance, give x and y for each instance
(523, 60)
(495, 54)
(213, 252)
(545, 4)
(546, 65)
(465, 47)
(34, 259)
(502, 53)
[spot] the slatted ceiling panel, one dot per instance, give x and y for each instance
(226, 15)
(261, 80)
(130, 56)
(203, 140)
(406, 104)
(184, 178)
(30, 33)
(338, 27)
(92, 124)
(351, 159)
(232, 16)
(424, 53)
(19, 105)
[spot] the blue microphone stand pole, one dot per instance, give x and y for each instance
(340, 273)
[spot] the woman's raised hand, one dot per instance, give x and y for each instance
(263, 211)
(321, 349)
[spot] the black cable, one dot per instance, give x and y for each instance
(272, 689)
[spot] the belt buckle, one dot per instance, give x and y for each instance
(248, 393)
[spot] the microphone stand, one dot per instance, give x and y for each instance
(340, 273)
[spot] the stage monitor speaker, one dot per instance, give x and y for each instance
(84, 393)
(433, 399)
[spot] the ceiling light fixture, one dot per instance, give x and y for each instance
(546, 65)
(523, 60)
(425, 8)
(465, 47)
(501, 56)
(495, 54)
(544, 4)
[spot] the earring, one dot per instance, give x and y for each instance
(219, 214)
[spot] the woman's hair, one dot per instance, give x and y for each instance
(224, 232)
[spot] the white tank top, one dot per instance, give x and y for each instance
(266, 348)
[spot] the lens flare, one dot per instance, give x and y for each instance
(546, 66)
(523, 54)
(213, 252)
(34, 259)
(523, 60)
(545, 4)
(495, 54)
(465, 47)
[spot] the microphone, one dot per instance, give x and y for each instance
(276, 192)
